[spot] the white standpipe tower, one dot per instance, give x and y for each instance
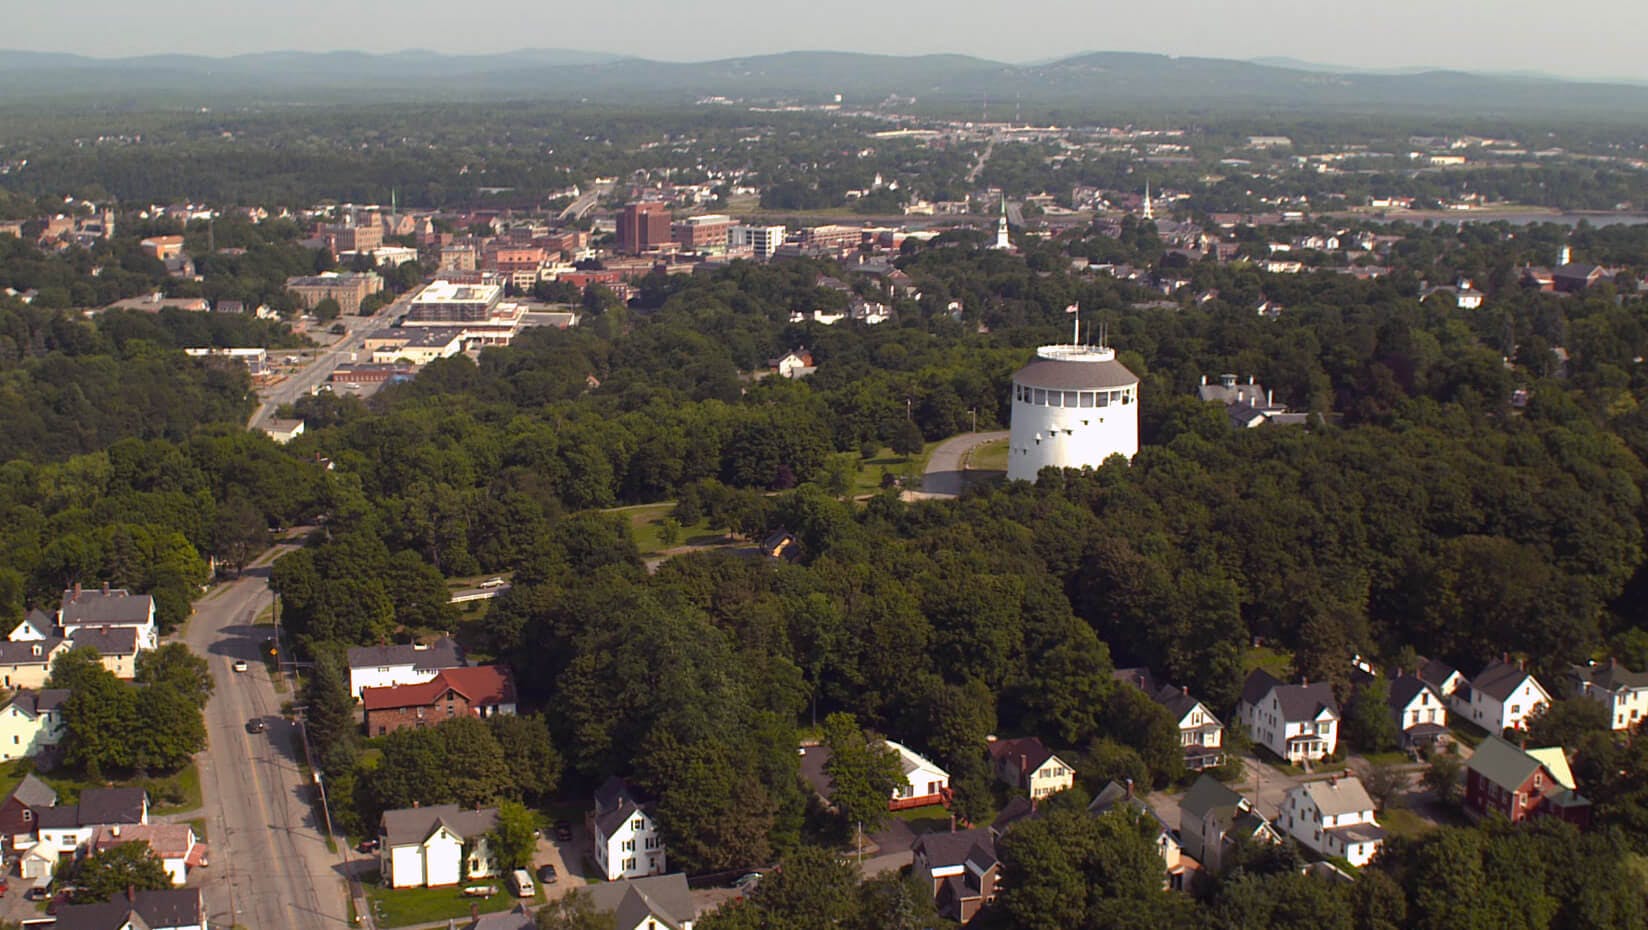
(1073, 407)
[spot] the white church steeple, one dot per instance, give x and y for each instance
(1149, 208)
(1002, 242)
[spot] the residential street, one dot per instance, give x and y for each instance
(320, 368)
(270, 866)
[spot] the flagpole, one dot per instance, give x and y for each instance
(1075, 339)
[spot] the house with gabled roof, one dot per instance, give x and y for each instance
(174, 844)
(627, 840)
(1214, 818)
(27, 663)
(1522, 783)
(653, 902)
(30, 722)
(1115, 795)
(425, 846)
(36, 626)
(401, 664)
(1446, 679)
(167, 909)
(476, 691)
(1027, 763)
(1333, 817)
(1299, 723)
(1420, 712)
(1200, 732)
(18, 822)
(1501, 698)
(1623, 692)
(69, 828)
(924, 784)
(116, 647)
(961, 868)
(108, 607)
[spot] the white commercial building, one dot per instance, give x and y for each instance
(763, 240)
(1073, 407)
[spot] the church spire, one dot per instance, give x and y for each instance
(1149, 208)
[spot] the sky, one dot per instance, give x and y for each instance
(1576, 38)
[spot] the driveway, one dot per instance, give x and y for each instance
(567, 858)
(945, 476)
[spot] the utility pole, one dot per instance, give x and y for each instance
(974, 412)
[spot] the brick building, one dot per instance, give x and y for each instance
(643, 227)
(479, 691)
(707, 233)
(348, 289)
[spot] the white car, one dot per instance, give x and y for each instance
(240, 665)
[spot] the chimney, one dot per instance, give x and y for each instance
(1270, 397)
(1184, 690)
(131, 894)
(76, 591)
(1505, 657)
(415, 804)
(1305, 679)
(1129, 789)
(475, 913)
(1249, 379)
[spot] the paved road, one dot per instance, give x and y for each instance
(306, 379)
(585, 202)
(270, 866)
(984, 157)
(945, 474)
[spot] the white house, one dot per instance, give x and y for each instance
(36, 627)
(1420, 712)
(108, 608)
(924, 782)
(174, 844)
(1502, 697)
(1333, 817)
(69, 828)
(1622, 691)
(1200, 732)
(424, 846)
(30, 722)
(404, 664)
(283, 431)
(656, 902)
(27, 663)
(1446, 679)
(1299, 723)
(1027, 763)
(627, 841)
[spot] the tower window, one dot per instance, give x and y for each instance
(1087, 398)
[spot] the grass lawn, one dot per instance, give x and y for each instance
(171, 794)
(868, 479)
(198, 824)
(1465, 732)
(1394, 757)
(1278, 662)
(398, 907)
(934, 818)
(1399, 821)
(646, 523)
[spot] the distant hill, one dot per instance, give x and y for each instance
(1093, 82)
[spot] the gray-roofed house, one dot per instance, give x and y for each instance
(117, 647)
(108, 607)
(627, 841)
(425, 846)
(1246, 405)
(1501, 698)
(1027, 763)
(653, 902)
(1622, 691)
(37, 626)
(31, 721)
(17, 812)
(167, 909)
(1446, 679)
(27, 663)
(1113, 796)
(961, 868)
(1334, 817)
(1420, 712)
(516, 918)
(401, 664)
(1200, 732)
(68, 828)
(1299, 723)
(1213, 818)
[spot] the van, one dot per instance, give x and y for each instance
(520, 882)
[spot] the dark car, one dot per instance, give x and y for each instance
(37, 893)
(563, 831)
(546, 875)
(256, 725)
(367, 846)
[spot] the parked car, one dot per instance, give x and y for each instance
(240, 665)
(367, 846)
(520, 882)
(256, 725)
(37, 893)
(563, 831)
(546, 874)
(746, 883)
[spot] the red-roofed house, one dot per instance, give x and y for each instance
(480, 691)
